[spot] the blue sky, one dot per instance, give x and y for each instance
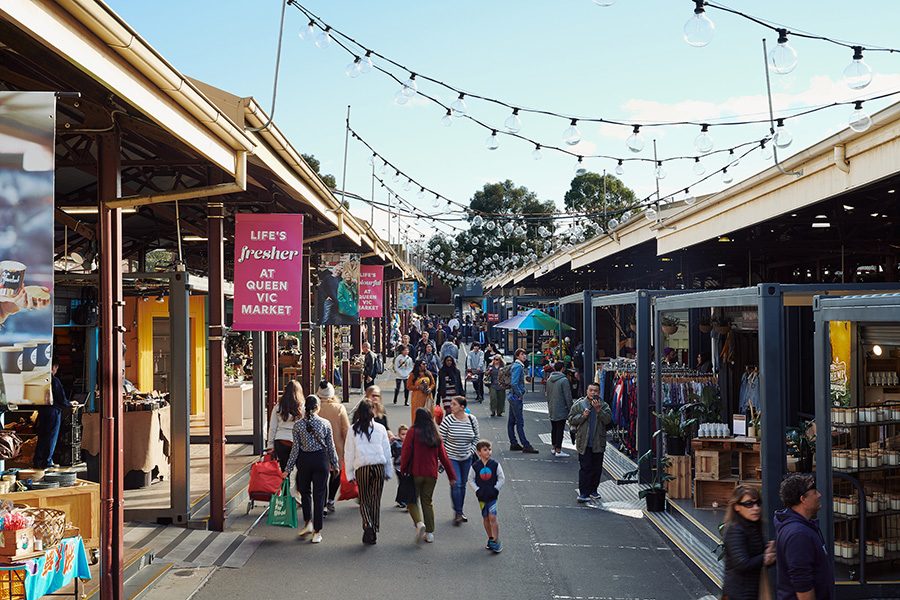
(627, 61)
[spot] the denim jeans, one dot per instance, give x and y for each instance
(458, 488)
(516, 421)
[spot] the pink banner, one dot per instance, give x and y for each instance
(371, 291)
(268, 254)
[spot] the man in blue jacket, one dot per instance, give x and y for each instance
(516, 421)
(805, 570)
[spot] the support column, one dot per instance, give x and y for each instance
(180, 395)
(512, 333)
(112, 364)
(771, 396)
(644, 380)
(215, 236)
(260, 414)
(822, 385)
(272, 383)
(588, 340)
(329, 353)
(307, 380)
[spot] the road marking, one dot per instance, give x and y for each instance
(581, 507)
(541, 481)
(600, 598)
(603, 547)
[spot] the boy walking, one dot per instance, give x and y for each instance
(486, 478)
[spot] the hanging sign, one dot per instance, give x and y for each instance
(337, 295)
(407, 295)
(371, 291)
(27, 153)
(839, 332)
(268, 261)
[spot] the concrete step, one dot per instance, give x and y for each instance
(699, 551)
(137, 586)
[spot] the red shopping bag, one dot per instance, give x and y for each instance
(349, 489)
(265, 477)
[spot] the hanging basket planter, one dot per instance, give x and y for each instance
(670, 329)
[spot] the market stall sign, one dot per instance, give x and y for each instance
(493, 317)
(268, 257)
(371, 291)
(840, 360)
(407, 295)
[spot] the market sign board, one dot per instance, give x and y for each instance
(268, 262)
(337, 295)
(407, 295)
(27, 162)
(371, 291)
(839, 332)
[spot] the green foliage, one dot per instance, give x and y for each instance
(671, 424)
(315, 165)
(586, 195)
(660, 474)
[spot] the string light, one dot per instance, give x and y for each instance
(447, 119)
(353, 69)
(859, 119)
(699, 169)
(699, 29)
(620, 168)
(704, 142)
(857, 74)
(571, 135)
(459, 106)
(536, 153)
(660, 171)
(726, 176)
(366, 64)
(492, 142)
(783, 137)
(410, 87)
(782, 58)
(513, 123)
(323, 37)
(579, 166)
(635, 141)
(309, 33)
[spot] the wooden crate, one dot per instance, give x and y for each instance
(708, 492)
(81, 503)
(748, 464)
(712, 464)
(680, 469)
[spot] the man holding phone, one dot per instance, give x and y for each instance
(589, 416)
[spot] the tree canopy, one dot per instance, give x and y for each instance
(586, 195)
(315, 165)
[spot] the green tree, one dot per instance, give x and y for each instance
(315, 165)
(586, 195)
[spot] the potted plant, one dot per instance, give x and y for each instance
(655, 492)
(670, 324)
(753, 427)
(675, 430)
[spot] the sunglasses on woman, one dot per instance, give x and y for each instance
(751, 503)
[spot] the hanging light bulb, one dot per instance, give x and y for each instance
(408, 185)
(704, 142)
(635, 141)
(726, 176)
(520, 231)
(410, 87)
(699, 169)
(579, 166)
(783, 137)
(383, 169)
(620, 168)
(396, 177)
(650, 213)
(476, 240)
(309, 33)
(492, 142)
(571, 135)
(660, 171)
(782, 58)
(859, 119)
(495, 257)
(421, 193)
(323, 38)
(459, 107)
(447, 119)
(477, 221)
(353, 69)
(735, 161)
(513, 123)
(366, 64)
(766, 151)
(689, 198)
(436, 201)
(543, 231)
(699, 29)
(857, 74)
(626, 215)
(491, 225)
(508, 228)
(523, 245)
(536, 153)
(613, 223)
(400, 98)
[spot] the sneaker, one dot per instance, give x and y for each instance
(464, 518)
(429, 537)
(308, 529)
(530, 450)
(420, 532)
(493, 414)
(498, 547)
(552, 451)
(330, 506)
(515, 447)
(400, 505)
(561, 454)
(457, 520)
(490, 544)
(316, 538)
(595, 496)
(583, 499)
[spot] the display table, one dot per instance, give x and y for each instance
(714, 477)
(146, 444)
(47, 573)
(237, 403)
(81, 503)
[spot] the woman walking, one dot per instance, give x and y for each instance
(746, 551)
(314, 446)
(460, 433)
(331, 409)
(373, 395)
(496, 393)
(419, 458)
(420, 383)
(281, 425)
(449, 383)
(403, 366)
(431, 360)
(367, 453)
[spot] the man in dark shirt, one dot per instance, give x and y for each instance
(49, 419)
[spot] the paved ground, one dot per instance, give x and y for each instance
(553, 548)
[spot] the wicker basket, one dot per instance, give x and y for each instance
(49, 524)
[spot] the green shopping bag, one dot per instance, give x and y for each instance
(282, 508)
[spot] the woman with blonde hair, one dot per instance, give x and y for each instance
(746, 551)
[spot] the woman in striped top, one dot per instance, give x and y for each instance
(459, 431)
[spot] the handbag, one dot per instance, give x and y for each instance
(406, 486)
(349, 489)
(283, 508)
(265, 477)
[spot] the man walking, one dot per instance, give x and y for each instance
(805, 571)
(420, 347)
(370, 365)
(516, 421)
(475, 368)
(559, 401)
(589, 417)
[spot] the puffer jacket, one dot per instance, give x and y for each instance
(744, 549)
(559, 396)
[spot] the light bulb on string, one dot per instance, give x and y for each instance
(660, 171)
(492, 142)
(650, 213)
(699, 169)
(447, 119)
(766, 151)
(536, 153)
(513, 123)
(366, 64)
(458, 106)
(309, 33)
(726, 176)
(396, 177)
(857, 74)
(477, 221)
(699, 29)
(520, 231)
(400, 98)
(579, 166)
(620, 168)
(323, 38)
(783, 137)
(410, 87)
(353, 69)
(734, 161)
(783, 57)
(421, 193)
(635, 141)
(436, 202)
(491, 225)
(859, 120)
(571, 135)
(613, 223)
(508, 228)
(383, 169)
(704, 142)
(689, 198)
(408, 185)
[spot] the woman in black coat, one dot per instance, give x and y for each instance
(746, 551)
(449, 382)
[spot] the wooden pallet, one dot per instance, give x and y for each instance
(712, 464)
(713, 493)
(680, 469)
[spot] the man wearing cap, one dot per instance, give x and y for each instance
(331, 409)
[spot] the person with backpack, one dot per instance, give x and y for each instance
(460, 433)
(496, 392)
(516, 421)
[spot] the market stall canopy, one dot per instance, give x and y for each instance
(534, 320)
